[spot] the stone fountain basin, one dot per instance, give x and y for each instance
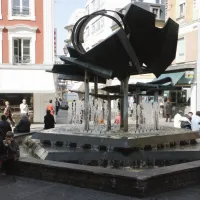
(70, 134)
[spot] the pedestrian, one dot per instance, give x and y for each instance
(186, 122)
(4, 127)
(196, 121)
(177, 119)
(168, 110)
(118, 119)
(190, 114)
(24, 108)
(10, 151)
(8, 113)
(49, 121)
(50, 107)
(57, 104)
(24, 125)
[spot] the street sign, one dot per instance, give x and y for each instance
(189, 74)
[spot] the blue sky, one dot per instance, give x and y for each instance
(63, 11)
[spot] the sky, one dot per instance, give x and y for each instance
(62, 12)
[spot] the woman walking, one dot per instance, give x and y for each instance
(8, 113)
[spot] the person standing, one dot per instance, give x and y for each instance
(4, 127)
(50, 107)
(49, 121)
(168, 110)
(11, 152)
(177, 119)
(57, 103)
(196, 122)
(8, 113)
(24, 108)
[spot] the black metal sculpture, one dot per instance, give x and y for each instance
(138, 47)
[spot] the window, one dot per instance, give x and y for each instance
(21, 51)
(156, 11)
(20, 7)
(87, 10)
(93, 6)
(101, 2)
(102, 22)
(180, 53)
(21, 10)
(158, 2)
(87, 33)
(97, 2)
(93, 28)
(182, 9)
(97, 26)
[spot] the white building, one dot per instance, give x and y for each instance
(26, 51)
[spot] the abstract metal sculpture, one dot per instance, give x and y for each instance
(138, 47)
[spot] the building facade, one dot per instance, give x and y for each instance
(26, 51)
(187, 14)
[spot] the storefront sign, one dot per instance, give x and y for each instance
(189, 74)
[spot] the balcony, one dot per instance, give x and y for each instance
(21, 60)
(17, 11)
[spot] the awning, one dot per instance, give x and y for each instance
(175, 77)
(26, 81)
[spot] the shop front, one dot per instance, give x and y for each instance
(36, 86)
(181, 99)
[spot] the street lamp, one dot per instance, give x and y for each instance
(65, 50)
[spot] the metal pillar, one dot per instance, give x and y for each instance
(125, 104)
(109, 114)
(156, 94)
(96, 86)
(137, 103)
(121, 106)
(86, 101)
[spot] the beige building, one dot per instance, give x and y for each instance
(183, 69)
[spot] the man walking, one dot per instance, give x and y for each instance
(57, 103)
(8, 113)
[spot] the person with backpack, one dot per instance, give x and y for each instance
(8, 113)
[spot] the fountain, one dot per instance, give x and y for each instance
(92, 119)
(92, 138)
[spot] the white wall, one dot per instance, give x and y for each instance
(40, 102)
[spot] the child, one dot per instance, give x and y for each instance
(10, 152)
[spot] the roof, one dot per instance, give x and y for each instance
(158, 85)
(73, 72)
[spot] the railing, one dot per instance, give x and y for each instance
(17, 11)
(21, 60)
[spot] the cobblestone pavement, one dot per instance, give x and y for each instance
(20, 188)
